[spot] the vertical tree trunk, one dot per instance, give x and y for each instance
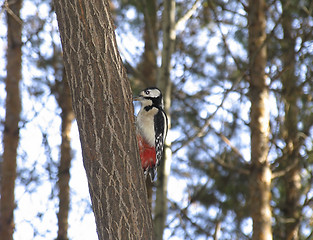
(12, 118)
(292, 178)
(102, 102)
(67, 115)
(260, 181)
(148, 65)
(165, 85)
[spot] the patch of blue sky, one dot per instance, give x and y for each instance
(177, 194)
(29, 8)
(129, 47)
(246, 226)
(3, 47)
(212, 44)
(34, 210)
(81, 215)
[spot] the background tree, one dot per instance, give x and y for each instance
(67, 115)
(290, 132)
(295, 124)
(165, 85)
(261, 176)
(12, 119)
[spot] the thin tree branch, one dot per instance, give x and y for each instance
(203, 130)
(6, 6)
(228, 142)
(188, 15)
(182, 213)
(286, 170)
(230, 166)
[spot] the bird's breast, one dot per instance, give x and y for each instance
(145, 123)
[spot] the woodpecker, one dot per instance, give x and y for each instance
(152, 126)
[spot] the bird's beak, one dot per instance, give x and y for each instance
(137, 98)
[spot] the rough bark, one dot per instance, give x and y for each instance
(260, 180)
(102, 102)
(164, 83)
(292, 179)
(12, 118)
(67, 116)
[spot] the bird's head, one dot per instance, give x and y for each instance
(151, 96)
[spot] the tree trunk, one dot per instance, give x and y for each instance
(148, 65)
(260, 181)
(165, 85)
(102, 102)
(12, 118)
(292, 179)
(67, 115)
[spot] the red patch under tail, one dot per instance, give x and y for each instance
(147, 154)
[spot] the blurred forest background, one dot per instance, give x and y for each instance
(237, 80)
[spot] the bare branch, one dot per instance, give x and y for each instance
(227, 141)
(231, 167)
(188, 15)
(286, 170)
(6, 6)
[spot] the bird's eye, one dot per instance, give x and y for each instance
(147, 92)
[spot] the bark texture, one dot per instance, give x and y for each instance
(292, 179)
(165, 85)
(260, 181)
(67, 115)
(12, 118)
(102, 102)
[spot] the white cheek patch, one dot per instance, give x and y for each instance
(146, 102)
(153, 93)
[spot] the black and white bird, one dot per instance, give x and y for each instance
(152, 126)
